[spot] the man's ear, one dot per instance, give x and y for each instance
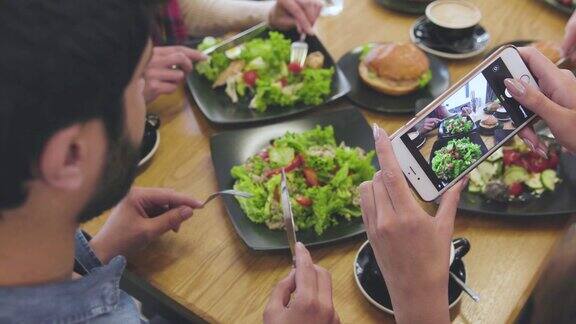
(60, 161)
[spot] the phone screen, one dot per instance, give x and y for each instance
(474, 119)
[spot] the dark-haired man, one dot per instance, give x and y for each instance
(71, 121)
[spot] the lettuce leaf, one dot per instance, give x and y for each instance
(425, 79)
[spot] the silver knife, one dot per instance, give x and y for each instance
(237, 39)
(288, 217)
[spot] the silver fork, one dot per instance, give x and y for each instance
(299, 50)
(230, 192)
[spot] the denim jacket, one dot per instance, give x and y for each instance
(95, 298)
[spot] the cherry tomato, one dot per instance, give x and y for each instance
(294, 68)
(523, 161)
(311, 177)
(304, 201)
(553, 160)
(515, 189)
(250, 78)
(510, 157)
(538, 164)
(298, 161)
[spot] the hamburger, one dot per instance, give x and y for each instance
(395, 68)
(489, 122)
(551, 50)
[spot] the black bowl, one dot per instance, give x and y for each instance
(371, 283)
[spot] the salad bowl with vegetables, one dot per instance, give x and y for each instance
(515, 182)
(514, 173)
(255, 81)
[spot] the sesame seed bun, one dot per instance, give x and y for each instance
(489, 122)
(394, 68)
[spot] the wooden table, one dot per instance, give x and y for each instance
(209, 271)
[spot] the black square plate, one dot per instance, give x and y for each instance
(219, 109)
(234, 147)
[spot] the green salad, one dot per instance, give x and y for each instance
(458, 125)
(322, 176)
(454, 158)
(259, 69)
(514, 172)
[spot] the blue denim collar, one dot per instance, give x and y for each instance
(71, 301)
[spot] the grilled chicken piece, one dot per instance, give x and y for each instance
(234, 68)
(314, 60)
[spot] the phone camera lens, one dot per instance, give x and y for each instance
(418, 179)
(495, 68)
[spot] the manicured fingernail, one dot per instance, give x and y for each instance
(186, 212)
(465, 180)
(376, 131)
(515, 87)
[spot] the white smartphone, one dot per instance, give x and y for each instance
(463, 126)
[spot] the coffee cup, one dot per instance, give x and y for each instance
(453, 20)
(372, 285)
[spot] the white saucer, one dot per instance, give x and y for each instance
(150, 154)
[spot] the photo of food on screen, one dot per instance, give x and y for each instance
(475, 118)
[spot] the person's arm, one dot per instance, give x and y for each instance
(411, 247)
(216, 17)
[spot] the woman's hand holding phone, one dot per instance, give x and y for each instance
(555, 103)
(411, 247)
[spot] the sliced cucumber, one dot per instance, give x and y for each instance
(475, 188)
(487, 170)
(476, 177)
(549, 179)
(534, 181)
(497, 155)
(514, 174)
